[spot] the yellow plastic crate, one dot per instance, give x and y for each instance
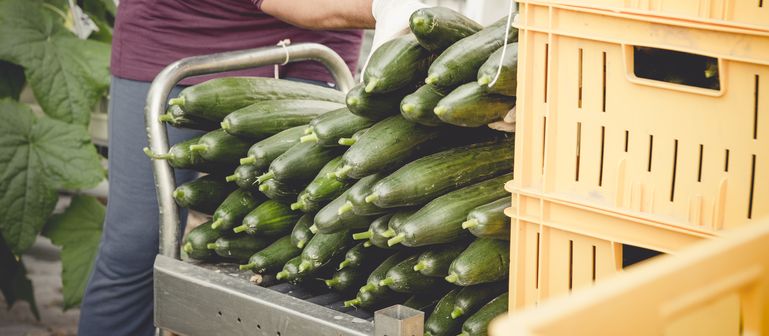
(719, 287)
(605, 158)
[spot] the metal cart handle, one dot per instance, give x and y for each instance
(207, 64)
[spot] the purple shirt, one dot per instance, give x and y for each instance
(150, 34)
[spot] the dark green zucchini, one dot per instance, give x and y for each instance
(203, 194)
(245, 177)
(418, 107)
(270, 218)
(283, 192)
(328, 219)
(507, 82)
(478, 324)
(272, 257)
(396, 64)
(402, 278)
(440, 323)
(322, 189)
(238, 248)
(489, 220)
(197, 240)
(470, 105)
(353, 139)
(472, 298)
(180, 156)
(322, 248)
(460, 62)
(261, 154)
(301, 233)
(485, 260)
(435, 262)
(218, 146)
(347, 280)
(417, 182)
(440, 221)
(360, 256)
(267, 118)
(328, 128)
(236, 206)
(437, 28)
(216, 98)
(375, 106)
(300, 163)
(356, 197)
(176, 117)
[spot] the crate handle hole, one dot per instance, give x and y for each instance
(239, 320)
(676, 67)
(220, 313)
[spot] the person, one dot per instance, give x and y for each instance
(149, 35)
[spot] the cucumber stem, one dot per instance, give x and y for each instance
(264, 187)
(266, 176)
(368, 287)
(298, 205)
(485, 79)
(419, 21)
(440, 110)
(179, 101)
(152, 155)
(312, 137)
(314, 229)
(330, 283)
(346, 141)
(352, 303)
(281, 275)
(304, 266)
(371, 85)
(419, 266)
(247, 266)
(352, 101)
(362, 235)
(396, 240)
(225, 124)
(470, 224)
(166, 117)
(371, 198)
(407, 107)
(457, 312)
(231, 178)
(464, 333)
(308, 130)
(211, 246)
(342, 172)
(177, 194)
(198, 148)
(217, 223)
(452, 278)
(300, 244)
(386, 282)
(248, 160)
(239, 229)
(343, 264)
(367, 244)
(431, 80)
(346, 207)
(389, 233)
(187, 247)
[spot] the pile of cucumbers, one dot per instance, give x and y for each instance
(390, 194)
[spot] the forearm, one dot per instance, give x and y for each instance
(322, 14)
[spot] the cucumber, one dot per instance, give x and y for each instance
(352, 140)
(245, 177)
(283, 192)
(328, 219)
(470, 105)
(378, 228)
(218, 146)
(460, 62)
(322, 248)
(360, 256)
(402, 278)
(347, 280)
(356, 197)
(197, 240)
(328, 128)
(396, 221)
(270, 218)
(176, 117)
(239, 247)
(472, 298)
(489, 220)
(215, 98)
(300, 163)
(417, 182)
(301, 233)
(372, 301)
(203, 194)
(290, 271)
(380, 272)
(485, 260)
(267, 118)
(507, 82)
(435, 262)
(181, 157)
(272, 257)
(236, 206)
(261, 154)
(437, 28)
(396, 64)
(440, 221)
(322, 189)
(375, 106)
(425, 301)
(440, 323)
(418, 106)
(478, 324)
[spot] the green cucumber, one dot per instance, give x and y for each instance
(402, 278)
(373, 301)
(300, 163)
(272, 257)
(470, 105)
(267, 118)
(460, 62)
(472, 298)
(507, 82)
(322, 189)
(489, 220)
(239, 247)
(283, 192)
(396, 64)
(290, 271)
(236, 206)
(180, 156)
(322, 248)
(356, 197)
(176, 117)
(301, 233)
(485, 260)
(245, 177)
(440, 221)
(418, 106)
(218, 146)
(380, 272)
(435, 262)
(270, 218)
(347, 280)
(375, 106)
(203, 194)
(361, 256)
(396, 221)
(197, 240)
(437, 28)
(440, 323)
(261, 154)
(378, 228)
(424, 301)
(353, 139)
(478, 324)
(328, 219)
(328, 128)
(215, 98)
(417, 183)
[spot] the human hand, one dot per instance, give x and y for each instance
(392, 20)
(507, 124)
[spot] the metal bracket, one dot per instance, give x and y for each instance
(399, 320)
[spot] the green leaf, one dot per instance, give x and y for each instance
(14, 283)
(11, 80)
(67, 75)
(77, 231)
(38, 155)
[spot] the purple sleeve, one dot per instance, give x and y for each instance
(258, 4)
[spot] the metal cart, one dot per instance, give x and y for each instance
(204, 299)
